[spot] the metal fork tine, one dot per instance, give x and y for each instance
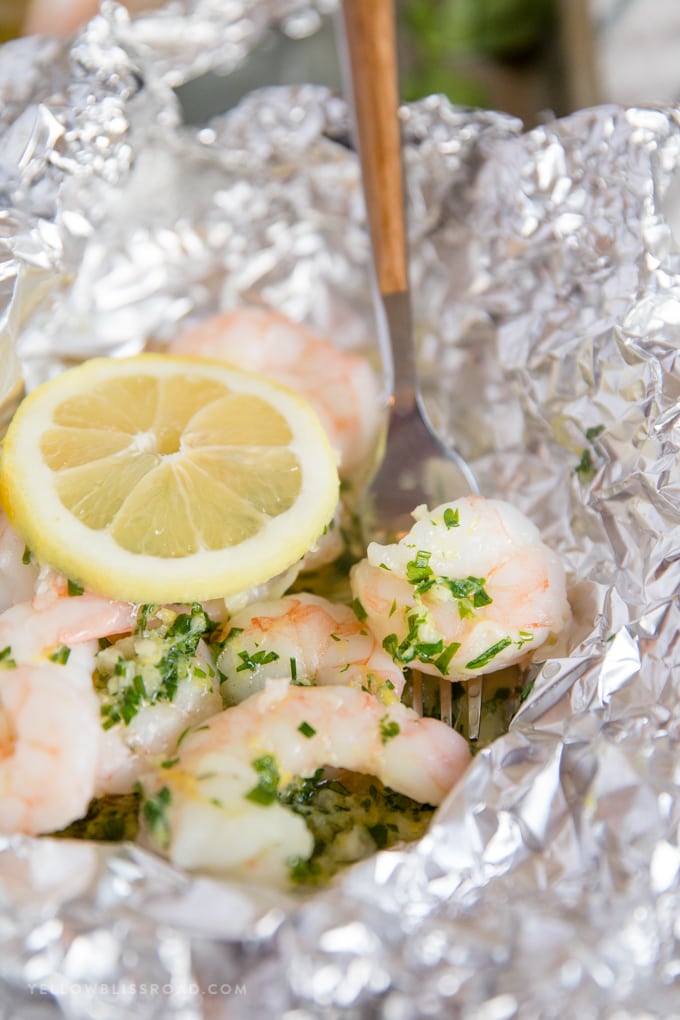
(417, 691)
(474, 705)
(445, 703)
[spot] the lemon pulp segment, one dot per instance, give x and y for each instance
(160, 478)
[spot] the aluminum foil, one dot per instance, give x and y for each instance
(546, 286)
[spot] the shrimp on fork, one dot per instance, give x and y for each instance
(214, 806)
(469, 590)
(340, 386)
(307, 639)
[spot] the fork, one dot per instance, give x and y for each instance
(416, 466)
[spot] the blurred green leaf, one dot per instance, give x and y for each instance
(438, 79)
(500, 28)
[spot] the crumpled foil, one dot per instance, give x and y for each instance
(546, 284)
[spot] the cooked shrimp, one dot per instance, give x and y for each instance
(50, 736)
(215, 806)
(54, 625)
(34, 634)
(153, 685)
(57, 18)
(18, 572)
(306, 639)
(63, 17)
(340, 386)
(469, 590)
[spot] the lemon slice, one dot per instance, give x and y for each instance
(167, 479)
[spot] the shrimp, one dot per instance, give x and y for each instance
(30, 634)
(50, 737)
(153, 685)
(214, 806)
(18, 572)
(133, 724)
(469, 590)
(54, 628)
(340, 386)
(63, 17)
(307, 639)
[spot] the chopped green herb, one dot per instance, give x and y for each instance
(444, 660)
(267, 783)
(6, 658)
(143, 614)
(419, 569)
(26, 558)
(389, 729)
(302, 870)
(359, 610)
(127, 704)
(585, 467)
(60, 655)
(452, 517)
(378, 835)
(74, 588)
(411, 647)
(251, 662)
(340, 813)
(526, 691)
(154, 812)
(391, 645)
(301, 789)
(180, 644)
(109, 819)
(293, 668)
(169, 763)
(306, 730)
(489, 654)
(183, 735)
(426, 650)
(470, 592)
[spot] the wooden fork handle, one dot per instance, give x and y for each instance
(370, 34)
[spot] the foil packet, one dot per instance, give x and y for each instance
(546, 285)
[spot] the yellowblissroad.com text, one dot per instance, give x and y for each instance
(131, 990)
